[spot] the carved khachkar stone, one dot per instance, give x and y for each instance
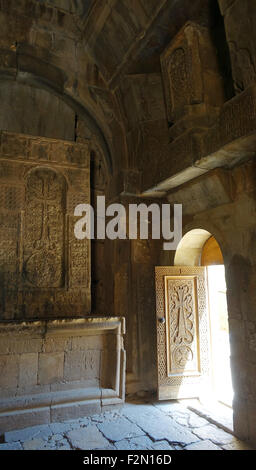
(44, 229)
(182, 332)
(192, 82)
(183, 354)
(44, 269)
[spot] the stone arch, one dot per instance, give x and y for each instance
(189, 250)
(26, 78)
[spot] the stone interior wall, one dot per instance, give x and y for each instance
(57, 370)
(231, 220)
(114, 76)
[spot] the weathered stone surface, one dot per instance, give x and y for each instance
(237, 445)
(36, 444)
(45, 123)
(28, 368)
(56, 437)
(137, 443)
(11, 446)
(87, 439)
(217, 414)
(27, 434)
(60, 428)
(103, 433)
(203, 445)
(119, 428)
(9, 371)
(195, 421)
(23, 419)
(64, 445)
(50, 368)
(217, 435)
(162, 445)
(75, 410)
(158, 426)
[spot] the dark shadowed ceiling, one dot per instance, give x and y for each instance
(127, 35)
(78, 7)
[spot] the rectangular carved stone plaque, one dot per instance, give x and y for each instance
(44, 270)
(192, 83)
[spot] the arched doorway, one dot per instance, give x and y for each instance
(200, 248)
(192, 322)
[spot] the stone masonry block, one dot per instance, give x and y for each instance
(9, 371)
(87, 342)
(28, 369)
(73, 411)
(52, 345)
(50, 367)
(15, 346)
(82, 364)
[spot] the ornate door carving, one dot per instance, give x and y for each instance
(182, 332)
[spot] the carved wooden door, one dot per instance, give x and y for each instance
(182, 332)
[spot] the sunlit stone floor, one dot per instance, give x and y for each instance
(137, 426)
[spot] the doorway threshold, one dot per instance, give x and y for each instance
(215, 412)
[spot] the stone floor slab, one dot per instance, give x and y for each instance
(216, 435)
(11, 446)
(195, 421)
(138, 443)
(162, 445)
(26, 434)
(215, 413)
(119, 429)
(37, 444)
(203, 445)
(89, 438)
(160, 426)
(142, 443)
(60, 428)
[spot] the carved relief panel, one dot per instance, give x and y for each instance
(44, 269)
(182, 332)
(182, 316)
(44, 229)
(191, 76)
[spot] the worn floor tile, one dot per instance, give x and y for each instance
(11, 446)
(87, 439)
(118, 429)
(203, 445)
(216, 435)
(28, 433)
